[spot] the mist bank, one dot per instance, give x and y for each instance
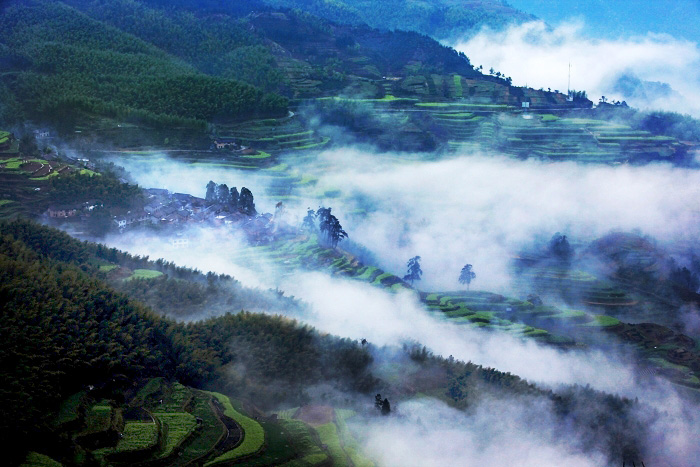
(537, 55)
(484, 210)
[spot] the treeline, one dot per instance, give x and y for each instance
(105, 188)
(64, 328)
(440, 19)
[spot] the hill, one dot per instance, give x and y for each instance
(441, 19)
(69, 61)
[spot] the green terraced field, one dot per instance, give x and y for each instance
(98, 418)
(137, 436)
(69, 409)
(328, 433)
(203, 441)
(308, 450)
(34, 459)
(145, 274)
(253, 433)
(179, 427)
(350, 444)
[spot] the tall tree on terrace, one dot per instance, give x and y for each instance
(330, 227)
(413, 271)
(467, 275)
(246, 203)
(309, 222)
(233, 198)
(222, 194)
(211, 192)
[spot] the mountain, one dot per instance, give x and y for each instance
(168, 66)
(441, 19)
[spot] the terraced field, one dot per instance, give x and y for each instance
(278, 134)
(583, 140)
(574, 286)
(305, 252)
(491, 311)
(253, 434)
(322, 435)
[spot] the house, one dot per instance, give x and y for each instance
(58, 212)
(179, 242)
(157, 191)
(224, 143)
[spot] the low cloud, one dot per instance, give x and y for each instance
(536, 55)
(495, 434)
(359, 310)
(483, 210)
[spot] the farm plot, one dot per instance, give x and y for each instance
(307, 253)
(145, 274)
(203, 441)
(34, 459)
(177, 428)
(137, 436)
(253, 433)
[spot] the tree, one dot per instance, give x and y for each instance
(210, 197)
(559, 247)
(378, 402)
(685, 278)
(467, 275)
(386, 408)
(246, 203)
(233, 197)
(309, 222)
(382, 405)
(414, 271)
(223, 196)
(329, 225)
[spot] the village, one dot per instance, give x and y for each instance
(174, 212)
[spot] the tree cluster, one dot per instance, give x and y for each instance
(560, 249)
(328, 225)
(105, 188)
(242, 202)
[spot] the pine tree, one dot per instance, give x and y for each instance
(414, 271)
(309, 222)
(233, 198)
(211, 192)
(246, 203)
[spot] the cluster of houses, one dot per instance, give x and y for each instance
(77, 210)
(165, 208)
(172, 209)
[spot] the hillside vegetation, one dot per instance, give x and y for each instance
(442, 19)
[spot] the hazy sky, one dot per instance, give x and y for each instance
(612, 19)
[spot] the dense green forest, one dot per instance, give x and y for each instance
(168, 65)
(65, 63)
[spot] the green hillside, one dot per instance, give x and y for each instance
(442, 19)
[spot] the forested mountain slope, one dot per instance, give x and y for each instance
(442, 19)
(169, 65)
